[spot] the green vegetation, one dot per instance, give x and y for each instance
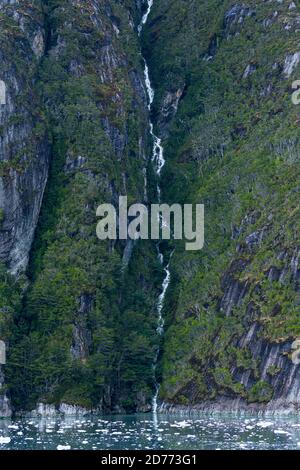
(86, 333)
(82, 328)
(234, 146)
(260, 392)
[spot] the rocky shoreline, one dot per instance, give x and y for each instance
(238, 407)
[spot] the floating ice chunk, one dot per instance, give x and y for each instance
(5, 440)
(181, 424)
(66, 447)
(264, 424)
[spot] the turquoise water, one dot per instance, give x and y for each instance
(136, 432)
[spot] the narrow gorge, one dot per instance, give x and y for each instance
(163, 102)
(159, 162)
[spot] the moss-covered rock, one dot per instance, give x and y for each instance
(232, 143)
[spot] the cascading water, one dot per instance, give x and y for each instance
(159, 162)
(145, 16)
(160, 324)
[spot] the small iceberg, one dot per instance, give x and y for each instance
(60, 447)
(5, 440)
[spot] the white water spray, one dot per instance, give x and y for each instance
(145, 16)
(159, 161)
(158, 151)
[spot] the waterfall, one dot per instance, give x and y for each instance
(159, 162)
(145, 16)
(160, 324)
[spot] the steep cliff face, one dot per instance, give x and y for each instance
(80, 328)
(86, 330)
(232, 142)
(24, 149)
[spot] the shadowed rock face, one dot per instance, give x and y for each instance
(285, 380)
(24, 148)
(21, 195)
(82, 337)
(5, 406)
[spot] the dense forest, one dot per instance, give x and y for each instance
(79, 315)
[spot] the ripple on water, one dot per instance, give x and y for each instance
(138, 432)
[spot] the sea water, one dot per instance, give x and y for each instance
(148, 431)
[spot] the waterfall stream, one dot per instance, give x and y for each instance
(159, 162)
